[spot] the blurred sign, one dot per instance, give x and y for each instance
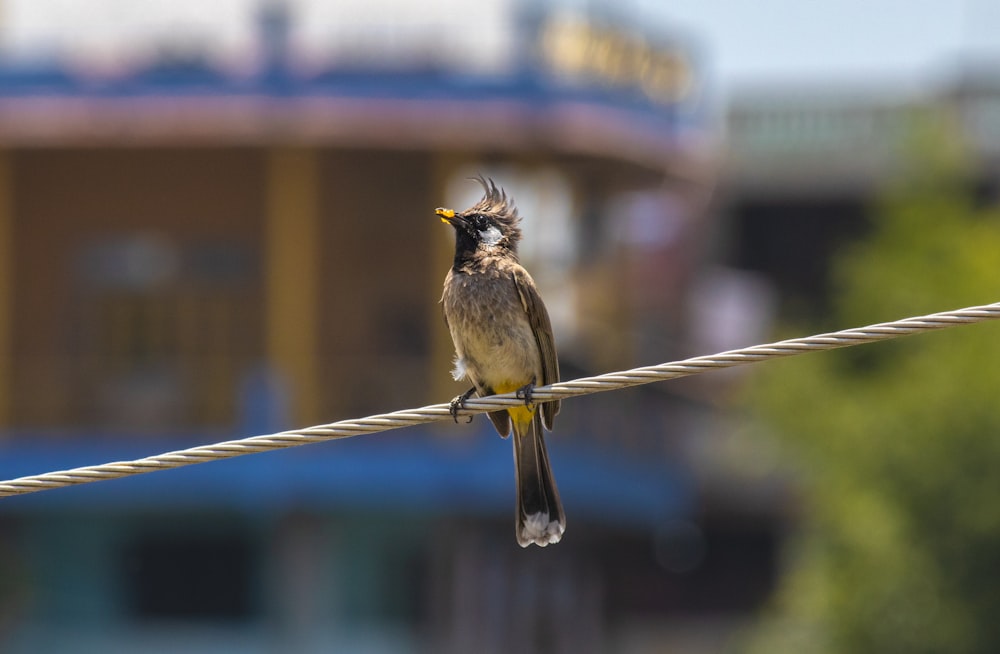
(578, 48)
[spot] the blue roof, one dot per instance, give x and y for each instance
(196, 80)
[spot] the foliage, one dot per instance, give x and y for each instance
(898, 444)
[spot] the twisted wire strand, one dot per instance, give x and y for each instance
(562, 390)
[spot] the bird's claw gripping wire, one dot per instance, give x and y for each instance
(525, 392)
(458, 403)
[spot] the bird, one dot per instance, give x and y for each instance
(503, 343)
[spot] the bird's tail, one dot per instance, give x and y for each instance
(540, 517)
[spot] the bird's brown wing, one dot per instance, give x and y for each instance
(538, 317)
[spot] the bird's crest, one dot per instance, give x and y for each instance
(498, 206)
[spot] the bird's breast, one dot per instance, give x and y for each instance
(492, 335)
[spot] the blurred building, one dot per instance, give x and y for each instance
(805, 166)
(201, 243)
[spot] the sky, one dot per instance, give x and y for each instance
(741, 44)
(802, 41)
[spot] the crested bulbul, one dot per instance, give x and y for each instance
(503, 343)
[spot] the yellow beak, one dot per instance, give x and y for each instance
(446, 215)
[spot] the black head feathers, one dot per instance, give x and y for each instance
(499, 208)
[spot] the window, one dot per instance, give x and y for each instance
(184, 575)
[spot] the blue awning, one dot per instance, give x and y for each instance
(418, 469)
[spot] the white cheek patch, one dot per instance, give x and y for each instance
(490, 236)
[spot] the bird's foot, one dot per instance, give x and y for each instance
(458, 404)
(525, 392)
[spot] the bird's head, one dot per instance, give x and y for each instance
(489, 225)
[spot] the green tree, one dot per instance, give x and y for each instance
(897, 445)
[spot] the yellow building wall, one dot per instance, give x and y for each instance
(292, 245)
